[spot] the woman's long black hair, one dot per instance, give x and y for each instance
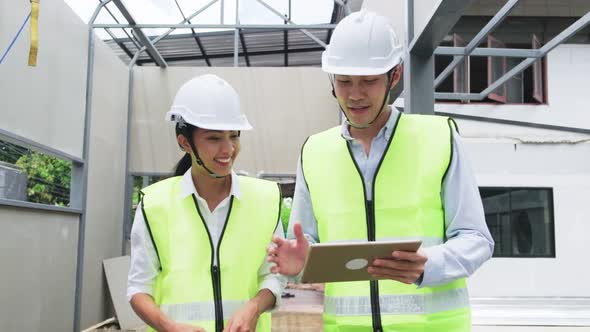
(186, 161)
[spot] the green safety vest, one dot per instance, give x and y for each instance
(191, 287)
(406, 204)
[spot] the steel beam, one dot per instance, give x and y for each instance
(492, 24)
(194, 34)
(560, 38)
(125, 31)
(514, 122)
(484, 51)
(228, 55)
(219, 26)
(286, 47)
(444, 18)
(165, 34)
(147, 43)
(419, 64)
(119, 43)
(243, 42)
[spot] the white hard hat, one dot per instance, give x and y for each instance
(363, 43)
(208, 102)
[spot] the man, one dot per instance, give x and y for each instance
(384, 175)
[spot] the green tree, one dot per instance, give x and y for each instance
(48, 178)
(286, 212)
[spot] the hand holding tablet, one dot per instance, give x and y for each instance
(348, 261)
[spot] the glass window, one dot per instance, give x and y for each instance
(520, 221)
(31, 176)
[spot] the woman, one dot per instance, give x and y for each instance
(198, 239)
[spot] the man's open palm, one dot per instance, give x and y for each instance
(288, 255)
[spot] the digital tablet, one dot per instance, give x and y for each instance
(348, 261)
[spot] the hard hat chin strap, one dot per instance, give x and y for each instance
(350, 123)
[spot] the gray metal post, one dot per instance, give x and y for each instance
(128, 178)
(419, 96)
(221, 13)
(236, 34)
(82, 173)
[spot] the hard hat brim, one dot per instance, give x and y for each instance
(243, 124)
(336, 69)
(354, 71)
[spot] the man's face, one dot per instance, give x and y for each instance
(361, 97)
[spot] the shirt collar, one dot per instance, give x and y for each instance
(387, 130)
(187, 187)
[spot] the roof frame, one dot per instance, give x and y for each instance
(145, 41)
(194, 34)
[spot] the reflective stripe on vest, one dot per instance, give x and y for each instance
(406, 205)
(428, 303)
(189, 277)
(199, 311)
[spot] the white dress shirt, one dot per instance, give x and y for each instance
(145, 264)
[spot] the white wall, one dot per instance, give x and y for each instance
(284, 105)
(512, 156)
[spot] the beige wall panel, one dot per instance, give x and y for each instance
(106, 170)
(44, 103)
(285, 106)
(38, 276)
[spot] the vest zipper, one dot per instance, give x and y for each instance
(215, 271)
(370, 215)
(216, 278)
(374, 286)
